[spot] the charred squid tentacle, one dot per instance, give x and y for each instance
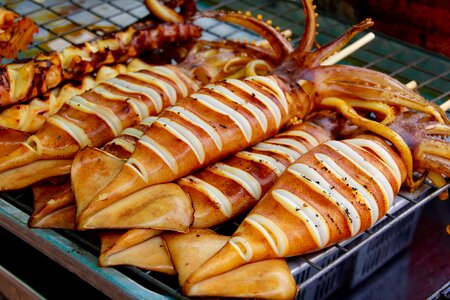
(15, 35)
(22, 81)
(280, 47)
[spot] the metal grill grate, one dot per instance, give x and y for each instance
(64, 22)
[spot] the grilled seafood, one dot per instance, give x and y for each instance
(110, 159)
(129, 247)
(223, 118)
(54, 205)
(216, 194)
(24, 80)
(329, 194)
(140, 247)
(10, 140)
(266, 279)
(7, 18)
(14, 36)
(92, 119)
(113, 105)
(270, 279)
(213, 68)
(31, 117)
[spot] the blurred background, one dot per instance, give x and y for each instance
(421, 22)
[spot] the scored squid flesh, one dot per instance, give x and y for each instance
(329, 194)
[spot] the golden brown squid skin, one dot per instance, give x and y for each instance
(269, 279)
(141, 248)
(175, 146)
(30, 117)
(246, 176)
(329, 194)
(22, 81)
(210, 61)
(54, 205)
(93, 119)
(43, 147)
(165, 152)
(217, 193)
(10, 140)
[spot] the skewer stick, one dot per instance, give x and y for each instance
(349, 49)
(411, 85)
(446, 105)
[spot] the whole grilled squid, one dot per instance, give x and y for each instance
(226, 117)
(204, 199)
(329, 194)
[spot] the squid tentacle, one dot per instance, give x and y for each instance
(326, 51)
(427, 139)
(350, 82)
(379, 129)
(280, 48)
(23, 81)
(309, 37)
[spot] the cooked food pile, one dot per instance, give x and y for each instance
(15, 34)
(311, 155)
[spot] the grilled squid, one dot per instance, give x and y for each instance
(178, 214)
(269, 279)
(331, 193)
(216, 194)
(24, 80)
(99, 115)
(217, 64)
(226, 117)
(31, 117)
(93, 119)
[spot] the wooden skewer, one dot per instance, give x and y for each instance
(446, 105)
(411, 85)
(349, 49)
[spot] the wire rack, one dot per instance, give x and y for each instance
(62, 23)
